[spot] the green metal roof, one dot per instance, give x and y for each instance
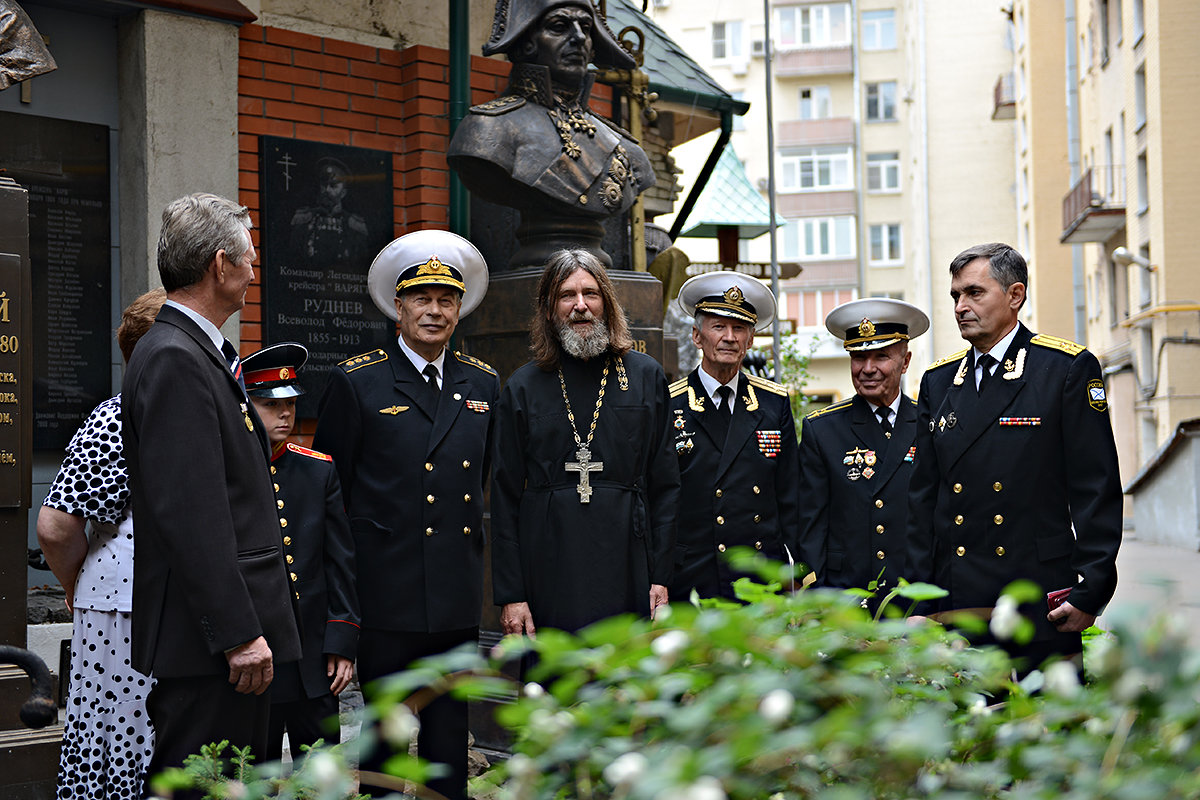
(673, 73)
(729, 199)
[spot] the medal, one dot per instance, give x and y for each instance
(246, 416)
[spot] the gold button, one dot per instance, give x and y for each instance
(466, 498)
(279, 504)
(294, 577)
(757, 490)
(879, 504)
(466, 531)
(466, 465)
(282, 522)
(272, 469)
(287, 540)
(429, 531)
(879, 529)
(721, 548)
(962, 551)
(999, 551)
(880, 555)
(757, 518)
(720, 520)
(997, 486)
(276, 485)
(758, 545)
(430, 499)
(999, 520)
(957, 488)
(719, 493)
(290, 559)
(958, 520)
(428, 467)
(297, 595)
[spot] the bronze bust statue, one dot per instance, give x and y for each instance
(538, 148)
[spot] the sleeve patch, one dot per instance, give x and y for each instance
(1097, 398)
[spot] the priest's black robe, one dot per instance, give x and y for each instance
(574, 562)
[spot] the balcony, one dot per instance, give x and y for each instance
(810, 61)
(1094, 209)
(816, 132)
(1004, 98)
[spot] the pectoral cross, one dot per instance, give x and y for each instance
(584, 465)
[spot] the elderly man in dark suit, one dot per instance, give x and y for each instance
(1016, 464)
(735, 438)
(408, 426)
(212, 604)
(856, 456)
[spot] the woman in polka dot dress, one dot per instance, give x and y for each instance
(108, 740)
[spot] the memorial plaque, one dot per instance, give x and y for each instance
(11, 468)
(64, 165)
(327, 210)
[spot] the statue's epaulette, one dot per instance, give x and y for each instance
(304, 451)
(363, 359)
(770, 386)
(839, 406)
(620, 131)
(954, 359)
(678, 387)
(475, 362)
(1054, 343)
(501, 105)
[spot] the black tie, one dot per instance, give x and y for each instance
(234, 362)
(720, 420)
(726, 395)
(885, 414)
(431, 373)
(985, 362)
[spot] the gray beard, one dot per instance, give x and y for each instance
(584, 347)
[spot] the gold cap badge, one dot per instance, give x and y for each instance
(733, 295)
(866, 327)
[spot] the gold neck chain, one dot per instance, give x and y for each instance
(595, 415)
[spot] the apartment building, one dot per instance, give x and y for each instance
(887, 160)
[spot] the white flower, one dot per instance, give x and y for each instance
(626, 769)
(399, 726)
(324, 771)
(521, 766)
(534, 689)
(669, 643)
(1005, 618)
(979, 707)
(662, 613)
(704, 788)
(776, 705)
(1062, 678)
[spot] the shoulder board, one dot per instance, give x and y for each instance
(840, 406)
(304, 451)
(770, 386)
(912, 400)
(678, 387)
(954, 359)
(620, 131)
(475, 362)
(501, 105)
(363, 359)
(1054, 343)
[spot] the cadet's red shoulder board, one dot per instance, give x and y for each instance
(304, 451)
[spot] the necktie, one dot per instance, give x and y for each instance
(726, 395)
(885, 415)
(720, 417)
(234, 362)
(985, 362)
(431, 373)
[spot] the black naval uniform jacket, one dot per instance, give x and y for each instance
(412, 479)
(854, 494)
(739, 492)
(208, 567)
(319, 552)
(1019, 482)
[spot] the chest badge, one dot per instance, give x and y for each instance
(861, 463)
(683, 437)
(478, 406)
(246, 416)
(393, 410)
(769, 442)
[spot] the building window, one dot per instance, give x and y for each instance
(1139, 20)
(727, 40)
(815, 103)
(881, 101)
(739, 120)
(813, 26)
(885, 244)
(1139, 97)
(879, 30)
(1143, 184)
(816, 169)
(1118, 293)
(818, 238)
(883, 172)
(1102, 18)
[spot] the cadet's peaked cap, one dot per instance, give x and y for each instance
(729, 294)
(273, 371)
(428, 258)
(514, 18)
(874, 322)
